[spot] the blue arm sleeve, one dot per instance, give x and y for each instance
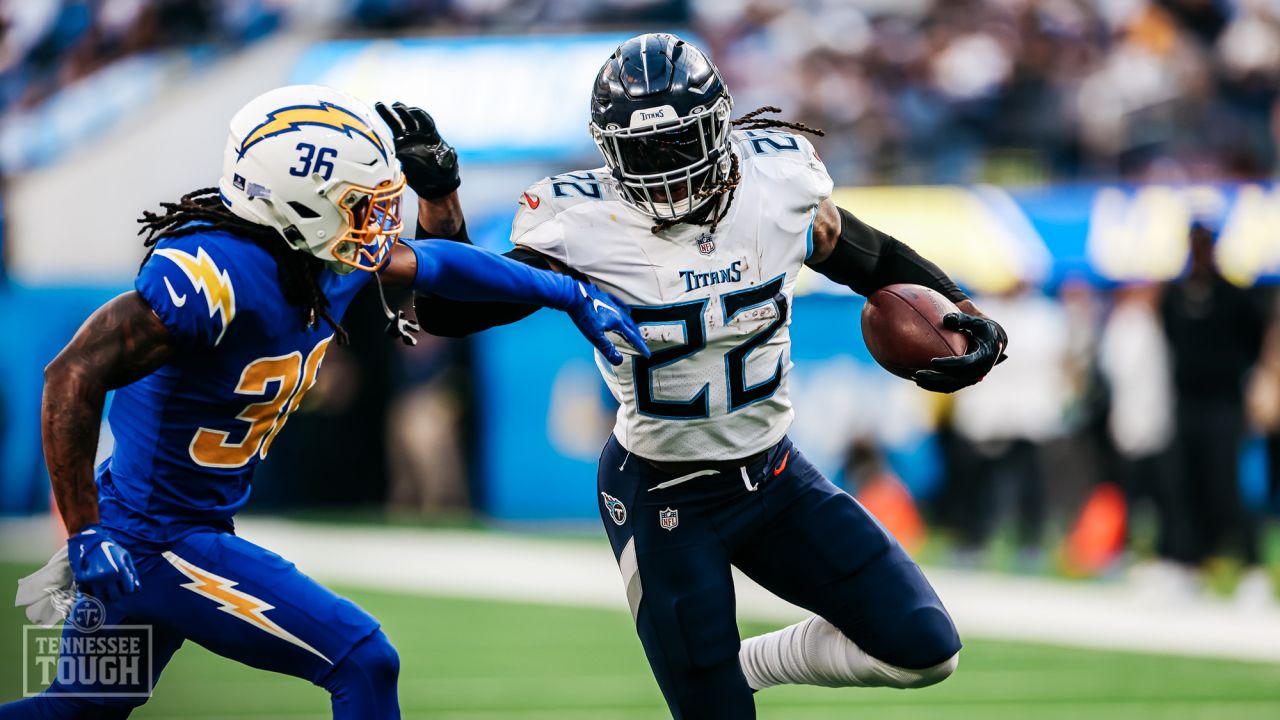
(465, 272)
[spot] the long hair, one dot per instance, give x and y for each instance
(298, 272)
(728, 186)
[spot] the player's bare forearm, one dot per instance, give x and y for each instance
(441, 217)
(123, 341)
(826, 231)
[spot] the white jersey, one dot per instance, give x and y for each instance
(714, 309)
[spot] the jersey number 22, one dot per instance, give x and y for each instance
(690, 315)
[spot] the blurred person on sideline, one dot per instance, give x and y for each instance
(1002, 423)
(1262, 400)
(425, 445)
(1215, 332)
(1073, 463)
(867, 474)
(1133, 357)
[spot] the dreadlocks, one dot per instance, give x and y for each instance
(727, 187)
(202, 211)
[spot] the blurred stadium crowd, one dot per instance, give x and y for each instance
(1109, 401)
(910, 91)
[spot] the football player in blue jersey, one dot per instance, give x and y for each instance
(223, 334)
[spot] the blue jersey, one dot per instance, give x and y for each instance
(188, 436)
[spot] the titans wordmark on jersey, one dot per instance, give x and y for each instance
(714, 308)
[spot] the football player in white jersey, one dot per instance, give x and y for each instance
(701, 224)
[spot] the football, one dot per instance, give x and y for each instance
(902, 327)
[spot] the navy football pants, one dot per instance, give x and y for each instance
(248, 604)
(796, 534)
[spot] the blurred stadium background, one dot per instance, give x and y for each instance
(1099, 515)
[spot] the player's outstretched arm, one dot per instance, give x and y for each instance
(462, 272)
(451, 318)
(123, 341)
(855, 254)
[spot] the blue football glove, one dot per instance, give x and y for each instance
(595, 313)
(101, 568)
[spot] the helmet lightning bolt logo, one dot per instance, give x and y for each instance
(324, 114)
(207, 280)
(235, 602)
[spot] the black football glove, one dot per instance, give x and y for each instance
(430, 164)
(950, 374)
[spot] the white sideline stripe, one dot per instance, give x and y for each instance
(529, 569)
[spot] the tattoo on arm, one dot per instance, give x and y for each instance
(123, 341)
(441, 217)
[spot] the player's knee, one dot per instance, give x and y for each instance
(925, 652)
(911, 679)
(379, 660)
(371, 668)
(926, 640)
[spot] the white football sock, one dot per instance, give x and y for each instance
(815, 652)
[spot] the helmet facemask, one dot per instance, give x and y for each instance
(374, 224)
(669, 169)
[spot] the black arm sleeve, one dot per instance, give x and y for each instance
(457, 318)
(866, 260)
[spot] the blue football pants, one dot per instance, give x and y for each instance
(248, 604)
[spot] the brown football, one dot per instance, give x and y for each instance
(902, 326)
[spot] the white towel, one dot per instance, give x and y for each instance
(49, 593)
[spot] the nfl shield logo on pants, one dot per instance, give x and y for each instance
(668, 518)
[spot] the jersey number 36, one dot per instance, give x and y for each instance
(292, 378)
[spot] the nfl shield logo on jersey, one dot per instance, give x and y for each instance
(706, 244)
(668, 518)
(616, 509)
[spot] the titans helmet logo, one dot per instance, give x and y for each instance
(323, 114)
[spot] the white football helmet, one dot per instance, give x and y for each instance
(320, 167)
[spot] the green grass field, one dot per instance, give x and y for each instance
(474, 660)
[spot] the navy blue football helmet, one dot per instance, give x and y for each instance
(660, 115)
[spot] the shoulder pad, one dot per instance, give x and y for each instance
(553, 195)
(191, 285)
(787, 158)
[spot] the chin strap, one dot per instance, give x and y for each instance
(398, 326)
